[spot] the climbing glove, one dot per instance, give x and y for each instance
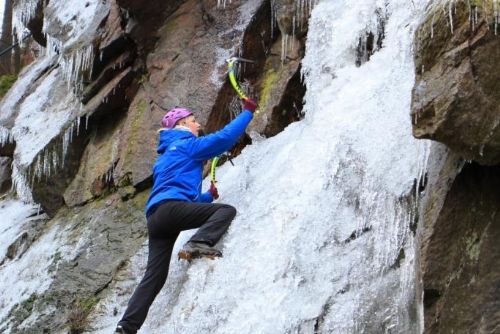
(249, 104)
(213, 190)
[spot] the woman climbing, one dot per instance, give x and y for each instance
(177, 204)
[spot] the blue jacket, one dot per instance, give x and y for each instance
(177, 172)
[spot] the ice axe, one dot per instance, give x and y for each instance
(232, 76)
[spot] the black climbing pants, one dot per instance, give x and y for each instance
(164, 226)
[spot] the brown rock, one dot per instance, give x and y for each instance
(461, 255)
(137, 143)
(456, 99)
(280, 90)
(143, 20)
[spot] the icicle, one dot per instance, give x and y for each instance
(282, 56)
(77, 126)
(481, 150)
(475, 18)
(273, 16)
(20, 184)
(71, 132)
(65, 145)
(54, 160)
(23, 12)
(5, 136)
(450, 15)
(75, 63)
(495, 15)
(432, 27)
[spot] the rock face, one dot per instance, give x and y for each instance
(461, 253)
(456, 98)
(456, 101)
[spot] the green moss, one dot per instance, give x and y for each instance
(140, 200)
(77, 318)
(6, 82)
(473, 246)
(271, 76)
(23, 310)
(135, 126)
(28, 303)
(88, 304)
(55, 260)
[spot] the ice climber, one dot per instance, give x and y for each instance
(176, 202)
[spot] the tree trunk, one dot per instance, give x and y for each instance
(6, 39)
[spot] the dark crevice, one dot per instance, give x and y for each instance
(107, 74)
(371, 42)
(290, 107)
(356, 234)
(399, 259)
(431, 296)
(141, 20)
(111, 54)
(35, 24)
(320, 320)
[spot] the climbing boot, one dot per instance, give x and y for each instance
(194, 250)
(120, 330)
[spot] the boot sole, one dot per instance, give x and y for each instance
(182, 255)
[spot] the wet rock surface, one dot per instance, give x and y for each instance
(456, 99)
(5, 174)
(461, 253)
(455, 102)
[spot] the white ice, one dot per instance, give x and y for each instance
(41, 117)
(73, 22)
(13, 213)
(19, 91)
(26, 277)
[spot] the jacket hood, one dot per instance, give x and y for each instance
(167, 137)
